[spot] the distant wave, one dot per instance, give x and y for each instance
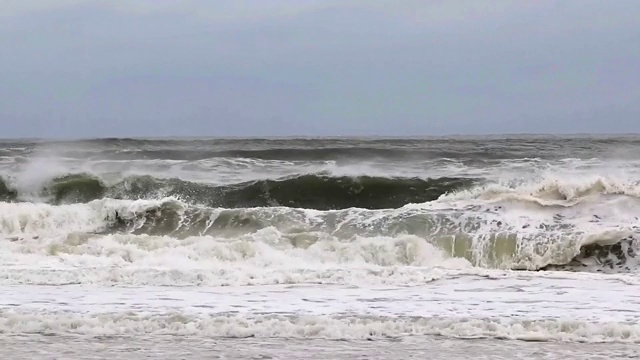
(347, 149)
(314, 191)
(344, 154)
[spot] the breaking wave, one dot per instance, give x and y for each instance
(313, 191)
(168, 241)
(254, 232)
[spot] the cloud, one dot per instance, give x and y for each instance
(224, 11)
(218, 11)
(21, 7)
(319, 67)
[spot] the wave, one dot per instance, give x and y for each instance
(591, 225)
(327, 327)
(6, 193)
(314, 191)
(484, 240)
(326, 191)
(549, 192)
(262, 245)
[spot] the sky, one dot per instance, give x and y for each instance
(155, 68)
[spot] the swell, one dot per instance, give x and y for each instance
(312, 191)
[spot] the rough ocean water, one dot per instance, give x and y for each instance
(504, 247)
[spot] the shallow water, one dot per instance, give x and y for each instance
(591, 308)
(188, 348)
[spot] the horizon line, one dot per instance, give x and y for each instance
(319, 137)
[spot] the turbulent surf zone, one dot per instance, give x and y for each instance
(492, 227)
(294, 207)
(320, 240)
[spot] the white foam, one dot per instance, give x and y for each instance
(561, 309)
(261, 258)
(315, 327)
(27, 219)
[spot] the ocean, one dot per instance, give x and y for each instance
(494, 247)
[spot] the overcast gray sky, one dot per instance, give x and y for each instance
(92, 68)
